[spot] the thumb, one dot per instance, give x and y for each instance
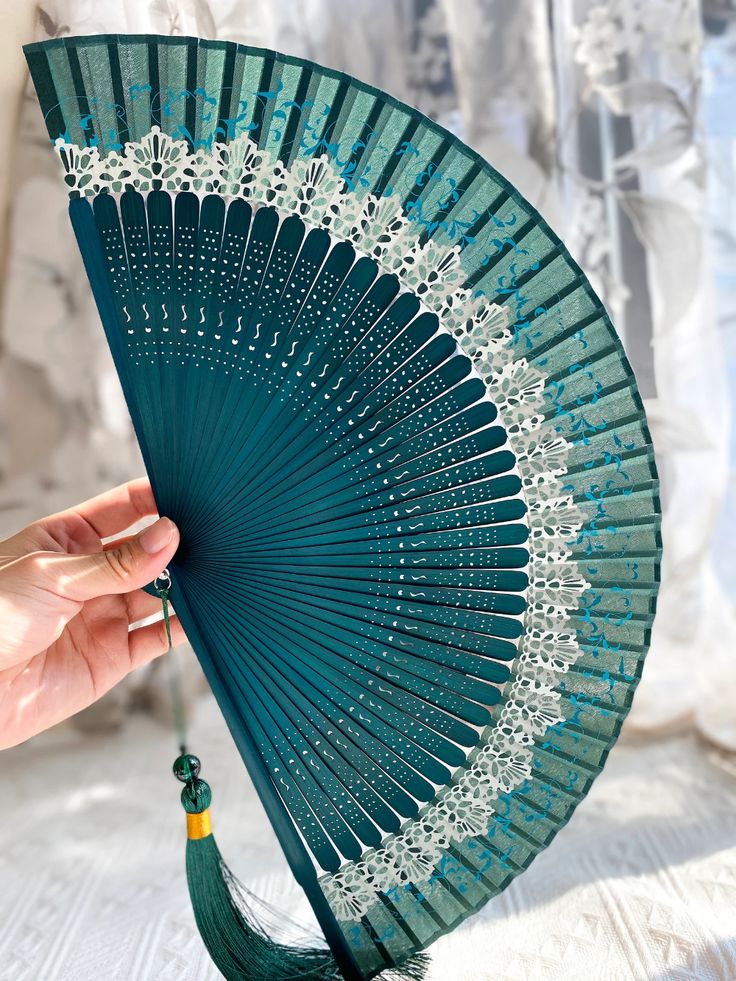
(129, 565)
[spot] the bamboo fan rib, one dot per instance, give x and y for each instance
(407, 456)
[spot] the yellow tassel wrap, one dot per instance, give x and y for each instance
(199, 825)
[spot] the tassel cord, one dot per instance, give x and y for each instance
(162, 586)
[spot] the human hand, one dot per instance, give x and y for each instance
(66, 605)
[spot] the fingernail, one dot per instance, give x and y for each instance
(157, 536)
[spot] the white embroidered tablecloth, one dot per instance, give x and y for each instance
(641, 884)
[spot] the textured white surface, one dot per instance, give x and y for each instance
(641, 884)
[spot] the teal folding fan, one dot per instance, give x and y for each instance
(410, 467)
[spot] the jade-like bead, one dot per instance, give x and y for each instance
(186, 767)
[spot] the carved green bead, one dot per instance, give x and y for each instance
(196, 797)
(186, 767)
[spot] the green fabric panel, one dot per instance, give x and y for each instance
(134, 70)
(69, 102)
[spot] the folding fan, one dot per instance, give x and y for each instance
(409, 464)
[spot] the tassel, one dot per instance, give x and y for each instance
(239, 945)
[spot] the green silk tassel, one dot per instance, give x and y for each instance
(223, 908)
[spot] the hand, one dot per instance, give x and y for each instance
(67, 603)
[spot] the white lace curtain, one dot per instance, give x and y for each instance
(592, 107)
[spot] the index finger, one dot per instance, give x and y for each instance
(115, 510)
